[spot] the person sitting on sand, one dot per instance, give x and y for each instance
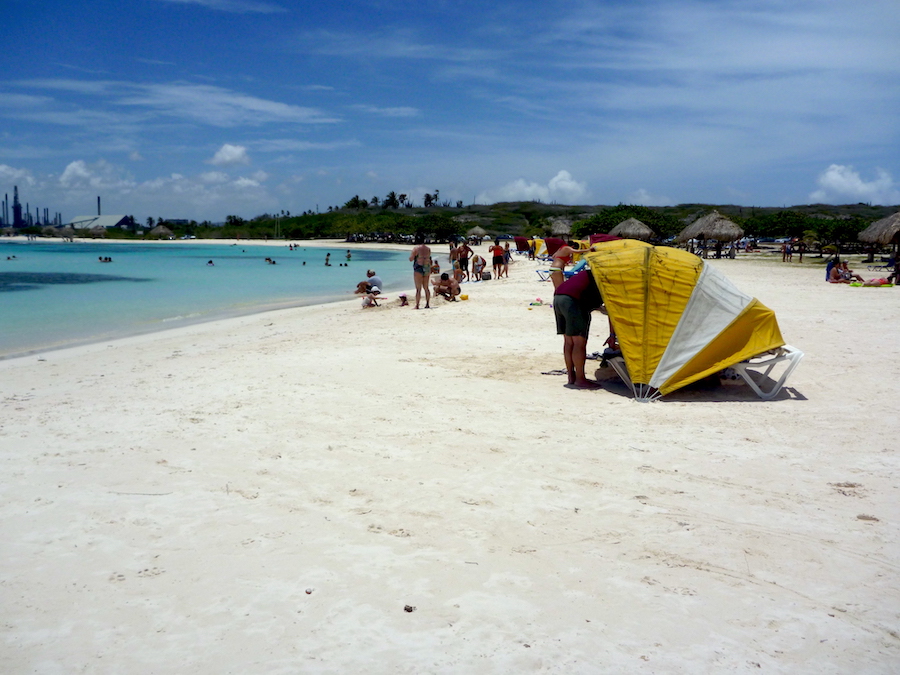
(847, 273)
(371, 281)
(835, 276)
(371, 298)
(446, 287)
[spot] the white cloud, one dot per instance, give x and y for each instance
(244, 182)
(9, 174)
(234, 6)
(259, 176)
(562, 188)
(839, 183)
(135, 156)
(643, 198)
(229, 155)
(214, 177)
(401, 111)
(216, 106)
(79, 175)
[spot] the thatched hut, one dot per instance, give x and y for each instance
(161, 232)
(632, 229)
(476, 231)
(560, 226)
(884, 232)
(711, 226)
(97, 232)
(68, 232)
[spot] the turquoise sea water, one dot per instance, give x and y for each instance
(55, 295)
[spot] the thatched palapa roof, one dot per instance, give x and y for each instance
(560, 226)
(711, 226)
(884, 231)
(476, 231)
(632, 229)
(161, 231)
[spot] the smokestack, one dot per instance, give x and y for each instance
(98, 205)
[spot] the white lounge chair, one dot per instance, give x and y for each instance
(763, 362)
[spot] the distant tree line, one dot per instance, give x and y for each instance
(396, 215)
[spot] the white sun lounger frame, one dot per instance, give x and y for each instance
(764, 363)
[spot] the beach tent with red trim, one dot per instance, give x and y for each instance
(522, 244)
(676, 318)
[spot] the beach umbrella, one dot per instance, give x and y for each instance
(711, 226)
(884, 231)
(98, 231)
(676, 318)
(476, 231)
(68, 232)
(632, 229)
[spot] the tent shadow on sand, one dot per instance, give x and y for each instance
(708, 390)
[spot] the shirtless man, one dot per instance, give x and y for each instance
(464, 254)
(561, 258)
(421, 260)
(446, 287)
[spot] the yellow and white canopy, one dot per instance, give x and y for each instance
(677, 319)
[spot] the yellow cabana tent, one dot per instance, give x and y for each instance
(676, 318)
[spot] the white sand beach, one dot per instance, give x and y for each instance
(267, 494)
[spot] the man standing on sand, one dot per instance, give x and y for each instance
(421, 260)
(464, 254)
(573, 301)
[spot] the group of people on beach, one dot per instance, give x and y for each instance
(840, 273)
(461, 257)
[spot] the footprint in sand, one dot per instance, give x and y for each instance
(115, 576)
(151, 572)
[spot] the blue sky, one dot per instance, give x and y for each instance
(204, 108)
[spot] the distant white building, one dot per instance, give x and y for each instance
(90, 222)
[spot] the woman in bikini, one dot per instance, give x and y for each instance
(421, 260)
(561, 258)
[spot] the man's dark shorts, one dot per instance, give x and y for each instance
(571, 319)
